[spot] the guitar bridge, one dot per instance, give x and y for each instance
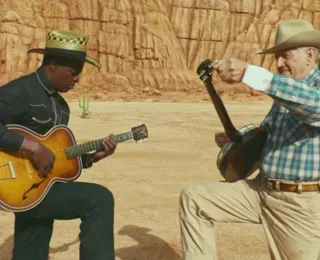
(12, 173)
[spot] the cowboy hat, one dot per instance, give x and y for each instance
(67, 43)
(293, 34)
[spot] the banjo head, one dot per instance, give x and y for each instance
(238, 161)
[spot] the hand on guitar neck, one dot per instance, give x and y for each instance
(109, 146)
(40, 156)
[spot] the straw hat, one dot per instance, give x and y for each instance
(293, 34)
(67, 43)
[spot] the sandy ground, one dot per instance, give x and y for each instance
(146, 179)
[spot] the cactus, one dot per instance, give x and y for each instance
(84, 104)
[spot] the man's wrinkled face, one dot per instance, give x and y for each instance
(295, 63)
(67, 75)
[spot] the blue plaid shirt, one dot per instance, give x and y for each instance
(292, 150)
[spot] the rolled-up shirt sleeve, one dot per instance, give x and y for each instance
(300, 98)
(13, 106)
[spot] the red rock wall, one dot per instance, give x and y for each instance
(147, 45)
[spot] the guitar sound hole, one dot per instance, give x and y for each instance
(34, 186)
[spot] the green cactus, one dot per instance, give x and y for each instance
(84, 104)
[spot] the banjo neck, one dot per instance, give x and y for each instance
(205, 71)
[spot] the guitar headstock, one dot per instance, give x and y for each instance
(205, 69)
(139, 132)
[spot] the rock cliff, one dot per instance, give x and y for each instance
(147, 47)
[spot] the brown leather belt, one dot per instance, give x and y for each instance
(295, 187)
(292, 187)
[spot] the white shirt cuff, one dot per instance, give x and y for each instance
(257, 78)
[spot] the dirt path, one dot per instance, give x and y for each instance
(146, 179)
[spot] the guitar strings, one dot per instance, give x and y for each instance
(57, 152)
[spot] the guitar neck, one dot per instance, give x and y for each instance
(229, 128)
(81, 149)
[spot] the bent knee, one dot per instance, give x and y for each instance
(188, 201)
(102, 194)
(188, 193)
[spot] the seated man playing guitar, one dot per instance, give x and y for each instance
(34, 101)
(284, 197)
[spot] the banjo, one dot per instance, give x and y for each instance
(240, 157)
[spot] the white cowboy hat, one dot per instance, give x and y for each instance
(293, 34)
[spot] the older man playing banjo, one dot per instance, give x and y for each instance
(290, 212)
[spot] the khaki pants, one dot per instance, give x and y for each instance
(291, 221)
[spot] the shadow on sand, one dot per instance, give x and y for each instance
(149, 247)
(7, 245)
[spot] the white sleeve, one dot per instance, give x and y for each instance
(257, 78)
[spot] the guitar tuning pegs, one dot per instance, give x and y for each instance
(201, 73)
(215, 64)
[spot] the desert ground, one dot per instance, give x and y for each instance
(146, 179)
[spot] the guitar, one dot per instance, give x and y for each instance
(239, 158)
(21, 187)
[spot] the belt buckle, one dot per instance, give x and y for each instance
(267, 182)
(269, 185)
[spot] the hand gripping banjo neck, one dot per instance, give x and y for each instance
(205, 71)
(239, 158)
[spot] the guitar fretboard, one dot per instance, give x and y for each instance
(96, 145)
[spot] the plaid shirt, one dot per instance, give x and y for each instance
(292, 150)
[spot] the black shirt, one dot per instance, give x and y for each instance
(33, 102)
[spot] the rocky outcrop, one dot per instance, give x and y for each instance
(144, 46)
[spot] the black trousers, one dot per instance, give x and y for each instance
(92, 203)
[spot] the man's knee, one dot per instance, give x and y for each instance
(190, 192)
(193, 197)
(186, 193)
(188, 200)
(101, 196)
